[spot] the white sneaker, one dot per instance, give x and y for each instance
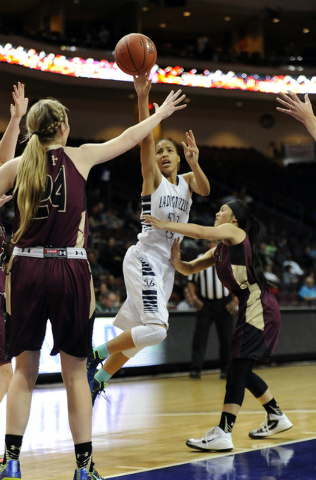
(214, 439)
(273, 424)
(277, 456)
(216, 468)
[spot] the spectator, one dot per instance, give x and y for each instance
(112, 257)
(271, 249)
(295, 268)
(107, 304)
(186, 305)
(113, 221)
(264, 257)
(97, 271)
(289, 278)
(270, 275)
(307, 292)
(243, 195)
(96, 219)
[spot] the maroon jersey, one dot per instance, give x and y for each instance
(2, 286)
(258, 322)
(2, 258)
(61, 219)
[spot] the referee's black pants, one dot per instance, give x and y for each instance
(212, 311)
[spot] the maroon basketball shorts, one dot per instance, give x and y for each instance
(2, 331)
(59, 290)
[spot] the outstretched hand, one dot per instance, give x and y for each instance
(171, 104)
(4, 199)
(175, 251)
(295, 107)
(150, 220)
(20, 102)
(190, 149)
(142, 84)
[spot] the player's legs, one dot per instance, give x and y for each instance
(5, 366)
(144, 316)
(20, 392)
(79, 412)
(114, 362)
(18, 410)
(124, 341)
(5, 378)
(219, 438)
(276, 421)
(78, 396)
(142, 336)
(225, 327)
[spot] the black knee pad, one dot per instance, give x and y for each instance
(237, 375)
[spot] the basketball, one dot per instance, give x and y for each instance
(135, 54)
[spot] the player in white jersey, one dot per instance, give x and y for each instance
(8, 144)
(148, 273)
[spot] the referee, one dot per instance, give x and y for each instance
(213, 303)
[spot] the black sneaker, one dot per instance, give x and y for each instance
(195, 374)
(97, 389)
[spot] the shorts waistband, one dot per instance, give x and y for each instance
(51, 252)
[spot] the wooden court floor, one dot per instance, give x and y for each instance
(146, 421)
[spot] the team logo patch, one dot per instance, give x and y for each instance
(149, 283)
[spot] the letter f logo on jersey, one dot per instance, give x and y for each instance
(149, 282)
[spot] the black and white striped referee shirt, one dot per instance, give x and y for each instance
(209, 284)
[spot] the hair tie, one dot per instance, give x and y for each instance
(35, 133)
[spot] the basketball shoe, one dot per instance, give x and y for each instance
(93, 361)
(97, 388)
(11, 469)
(219, 468)
(277, 456)
(273, 424)
(215, 439)
(83, 474)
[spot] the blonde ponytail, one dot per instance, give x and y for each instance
(43, 122)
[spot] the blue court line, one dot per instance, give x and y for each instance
(292, 461)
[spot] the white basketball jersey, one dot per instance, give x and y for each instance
(168, 202)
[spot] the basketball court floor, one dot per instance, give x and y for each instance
(139, 432)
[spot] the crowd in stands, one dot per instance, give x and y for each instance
(100, 34)
(287, 242)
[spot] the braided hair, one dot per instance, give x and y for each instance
(43, 121)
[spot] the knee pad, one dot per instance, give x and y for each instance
(147, 335)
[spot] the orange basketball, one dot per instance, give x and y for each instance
(135, 54)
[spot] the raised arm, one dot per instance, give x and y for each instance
(7, 177)
(150, 170)
(10, 136)
(226, 231)
(196, 179)
(302, 111)
(89, 155)
(194, 266)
